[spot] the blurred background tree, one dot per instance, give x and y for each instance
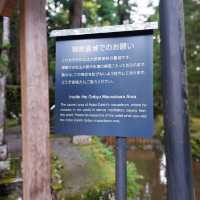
(65, 14)
(90, 13)
(192, 27)
(4, 60)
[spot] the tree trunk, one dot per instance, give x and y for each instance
(75, 13)
(124, 16)
(6, 32)
(4, 55)
(76, 7)
(14, 61)
(3, 147)
(2, 108)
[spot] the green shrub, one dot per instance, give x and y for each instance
(101, 153)
(13, 100)
(195, 148)
(57, 168)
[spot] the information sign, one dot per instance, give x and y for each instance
(104, 86)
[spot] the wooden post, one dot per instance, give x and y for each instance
(35, 101)
(7, 7)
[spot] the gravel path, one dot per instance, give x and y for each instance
(77, 177)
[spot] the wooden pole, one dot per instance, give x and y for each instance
(7, 7)
(35, 101)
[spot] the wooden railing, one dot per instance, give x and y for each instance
(134, 141)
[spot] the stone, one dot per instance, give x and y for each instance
(4, 165)
(3, 152)
(83, 139)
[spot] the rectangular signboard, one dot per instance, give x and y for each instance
(104, 86)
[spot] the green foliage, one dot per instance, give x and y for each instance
(90, 11)
(194, 97)
(14, 50)
(104, 150)
(95, 13)
(195, 138)
(8, 176)
(100, 164)
(192, 28)
(12, 196)
(11, 123)
(194, 134)
(3, 66)
(4, 60)
(133, 177)
(57, 168)
(159, 127)
(156, 66)
(51, 96)
(13, 100)
(107, 12)
(103, 154)
(58, 14)
(192, 18)
(101, 192)
(52, 63)
(196, 148)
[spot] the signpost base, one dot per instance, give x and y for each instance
(121, 168)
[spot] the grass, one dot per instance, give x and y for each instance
(10, 123)
(195, 138)
(100, 159)
(100, 164)
(57, 172)
(8, 177)
(195, 127)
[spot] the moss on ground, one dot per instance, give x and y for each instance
(100, 164)
(57, 173)
(10, 188)
(10, 123)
